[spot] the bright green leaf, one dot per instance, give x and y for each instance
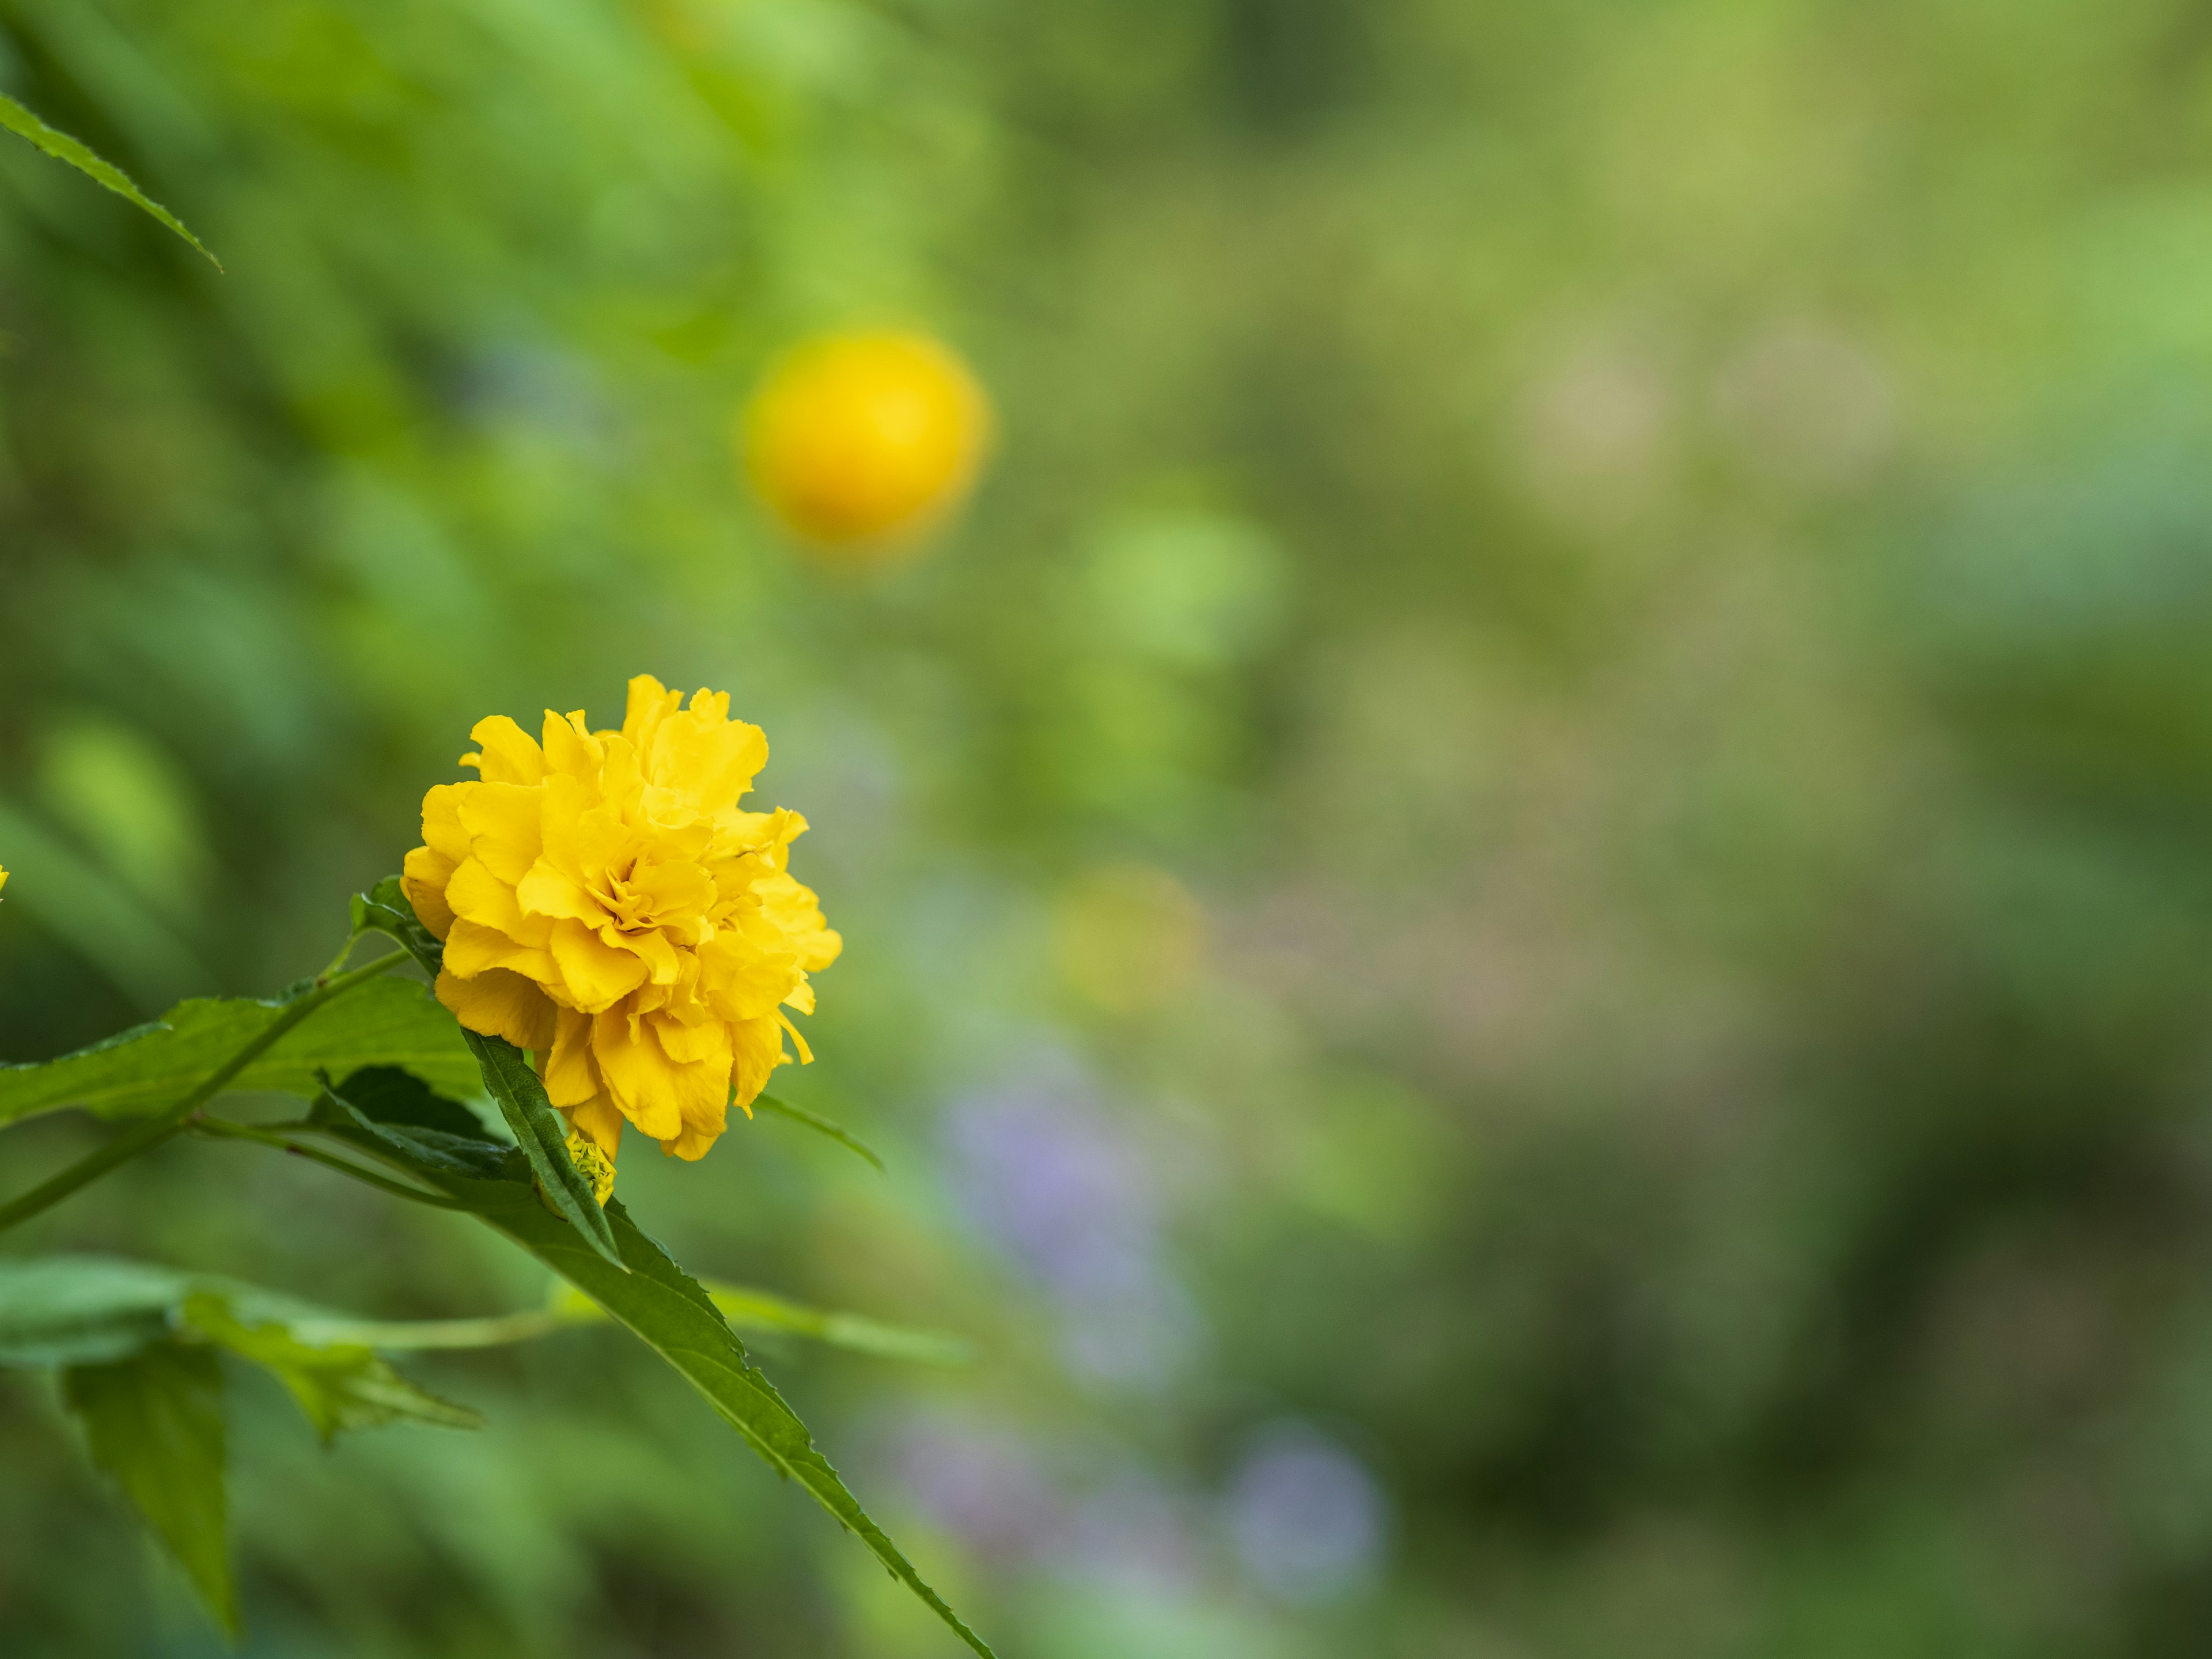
(663, 1305)
(386, 1021)
(154, 1423)
(747, 1309)
(86, 160)
(82, 1311)
(339, 1386)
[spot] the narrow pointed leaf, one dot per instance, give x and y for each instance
(540, 1130)
(819, 1124)
(752, 1309)
(88, 161)
(749, 1309)
(154, 1423)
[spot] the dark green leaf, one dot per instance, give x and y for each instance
(821, 1125)
(85, 160)
(543, 1134)
(339, 1386)
(386, 1021)
(386, 908)
(154, 1423)
(385, 1094)
(539, 1130)
(662, 1304)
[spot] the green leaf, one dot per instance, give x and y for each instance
(843, 1136)
(668, 1310)
(386, 908)
(86, 160)
(154, 1423)
(747, 1309)
(81, 1311)
(389, 1094)
(540, 1130)
(386, 1021)
(339, 1386)
(543, 1134)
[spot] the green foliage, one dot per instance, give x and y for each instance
(153, 1421)
(342, 1386)
(644, 1291)
(138, 1344)
(81, 1309)
(63, 147)
(387, 1022)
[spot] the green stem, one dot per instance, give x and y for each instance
(145, 1136)
(492, 1331)
(225, 1129)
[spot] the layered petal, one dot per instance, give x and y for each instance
(424, 876)
(498, 1003)
(607, 902)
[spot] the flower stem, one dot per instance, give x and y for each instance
(225, 1129)
(147, 1135)
(492, 1331)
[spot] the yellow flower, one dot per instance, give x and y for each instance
(857, 440)
(607, 905)
(3, 878)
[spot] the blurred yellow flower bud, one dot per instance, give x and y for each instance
(3, 878)
(1129, 938)
(859, 441)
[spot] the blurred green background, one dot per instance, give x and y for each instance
(1528, 902)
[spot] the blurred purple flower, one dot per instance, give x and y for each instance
(1057, 1185)
(1308, 1521)
(983, 1482)
(1133, 1536)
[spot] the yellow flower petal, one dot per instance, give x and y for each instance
(473, 949)
(553, 893)
(600, 1119)
(607, 902)
(571, 1078)
(496, 1003)
(508, 756)
(476, 895)
(596, 975)
(502, 821)
(422, 878)
(441, 822)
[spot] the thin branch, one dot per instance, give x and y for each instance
(223, 1128)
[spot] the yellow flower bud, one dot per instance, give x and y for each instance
(860, 442)
(594, 1165)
